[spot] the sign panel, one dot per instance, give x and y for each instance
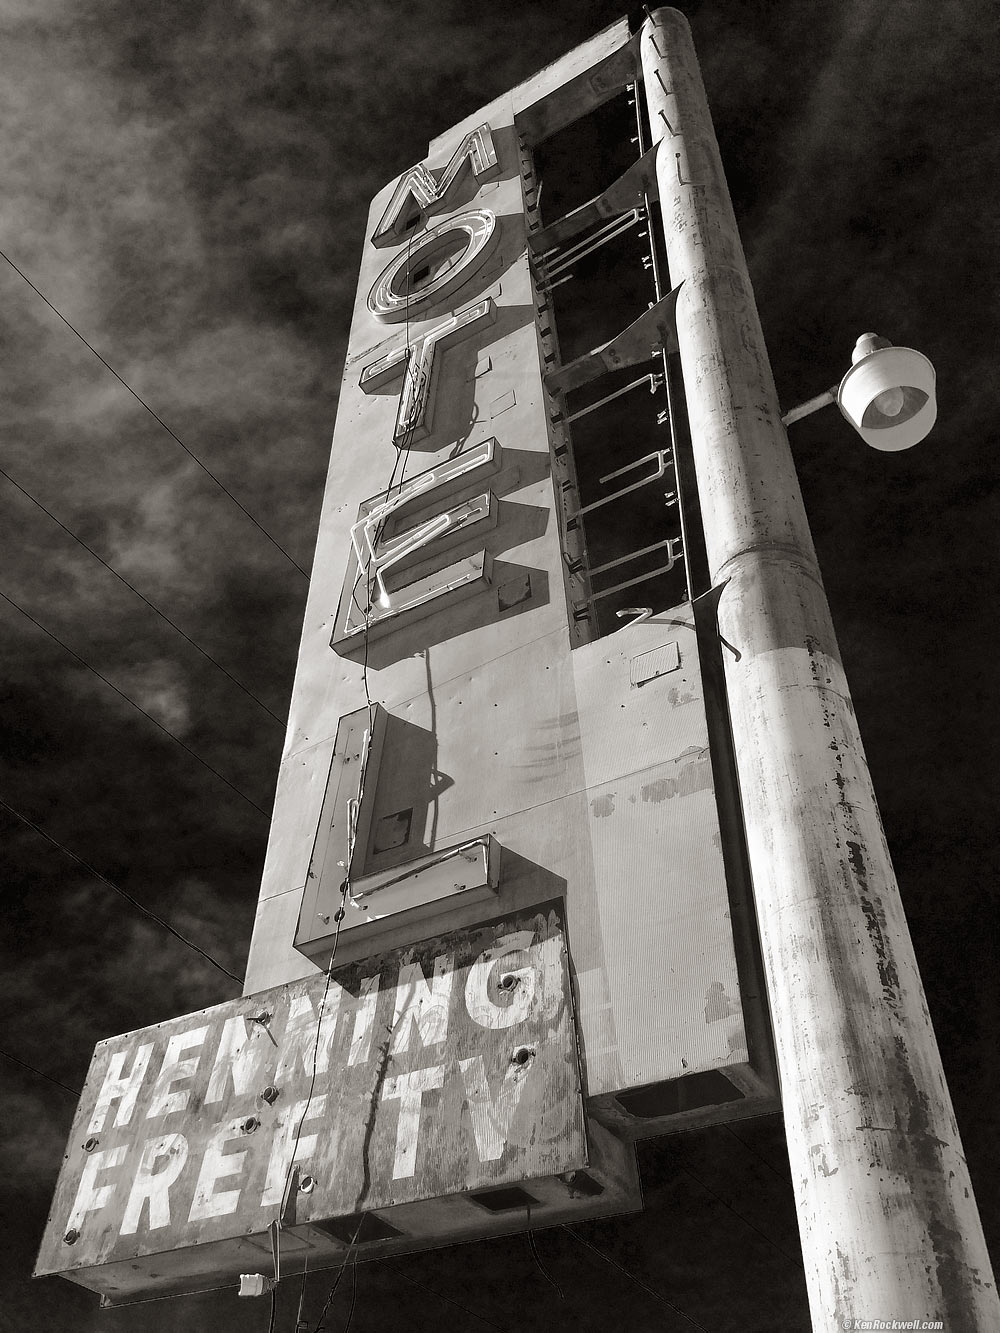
(498, 649)
(443, 1068)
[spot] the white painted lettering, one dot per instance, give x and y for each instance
(483, 1008)
(118, 1085)
(417, 364)
(492, 1116)
(306, 1042)
(421, 1004)
(282, 1159)
(237, 1058)
(173, 1068)
(90, 1196)
(409, 1089)
(364, 1021)
(216, 1166)
(154, 1186)
(435, 265)
(417, 186)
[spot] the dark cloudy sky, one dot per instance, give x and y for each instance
(188, 184)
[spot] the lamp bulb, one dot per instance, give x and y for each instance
(889, 402)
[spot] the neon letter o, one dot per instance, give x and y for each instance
(458, 246)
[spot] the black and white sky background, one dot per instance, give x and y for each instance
(188, 185)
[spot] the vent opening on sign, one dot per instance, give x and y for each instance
(503, 1201)
(357, 1228)
(674, 1095)
(581, 1185)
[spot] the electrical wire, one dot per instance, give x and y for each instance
(142, 597)
(139, 709)
(300, 1324)
(745, 1220)
(538, 1263)
(339, 916)
(167, 1296)
(120, 891)
(447, 1299)
(340, 1274)
(176, 438)
(354, 1296)
(40, 1072)
(345, 889)
(785, 1178)
(651, 1291)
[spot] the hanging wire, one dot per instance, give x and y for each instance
(120, 891)
(139, 709)
(786, 1178)
(40, 1072)
(538, 1263)
(301, 1325)
(340, 1274)
(745, 1220)
(345, 888)
(651, 1291)
(142, 597)
(167, 1296)
(176, 438)
(339, 917)
(354, 1296)
(447, 1299)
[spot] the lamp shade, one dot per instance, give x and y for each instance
(888, 394)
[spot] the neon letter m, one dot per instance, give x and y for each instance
(419, 185)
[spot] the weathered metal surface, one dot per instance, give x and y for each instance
(498, 724)
(597, 788)
(583, 80)
(886, 1214)
(444, 1069)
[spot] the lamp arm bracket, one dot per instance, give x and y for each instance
(810, 406)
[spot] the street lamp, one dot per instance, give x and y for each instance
(887, 395)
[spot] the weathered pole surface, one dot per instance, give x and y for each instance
(888, 1224)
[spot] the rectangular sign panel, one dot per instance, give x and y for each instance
(445, 1068)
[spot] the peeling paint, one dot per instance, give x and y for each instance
(875, 924)
(602, 806)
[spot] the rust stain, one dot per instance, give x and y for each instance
(718, 1005)
(676, 697)
(370, 1122)
(693, 777)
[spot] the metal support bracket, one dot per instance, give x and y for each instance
(652, 332)
(633, 188)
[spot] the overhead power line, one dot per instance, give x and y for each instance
(448, 1299)
(142, 597)
(40, 1072)
(651, 1291)
(159, 420)
(139, 709)
(121, 893)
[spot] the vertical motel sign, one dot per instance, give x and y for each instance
(498, 812)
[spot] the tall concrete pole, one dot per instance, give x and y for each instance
(888, 1223)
